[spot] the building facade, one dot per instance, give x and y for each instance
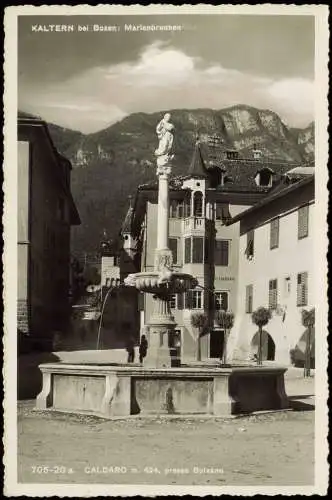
(119, 304)
(276, 270)
(46, 212)
(203, 244)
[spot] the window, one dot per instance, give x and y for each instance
(273, 294)
(265, 178)
(173, 246)
(274, 233)
(172, 301)
(187, 207)
(198, 204)
(187, 250)
(180, 209)
(302, 289)
(193, 250)
(221, 301)
(249, 251)
(222, 212)
(173, 209)
(198, 250)
(303, 220)
(232, 155)
(287, 286)
(194, 299)
(221, 253)
(249, 298)
(176, 209)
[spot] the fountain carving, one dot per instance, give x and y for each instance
(163, 281)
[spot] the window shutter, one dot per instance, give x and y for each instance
(224, 301)
(206, 250)
(274, 233)
(273, 294)
(188, 296)
(303, 215)
(249, 251)
(302, 289)
(173, 246)
(249, 298)
(180, 301)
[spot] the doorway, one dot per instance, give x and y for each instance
(268, 346)
(175, 347)
(217, 338)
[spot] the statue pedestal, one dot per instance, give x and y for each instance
(160, 325)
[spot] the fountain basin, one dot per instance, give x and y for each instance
(117, 390)
(154, 282)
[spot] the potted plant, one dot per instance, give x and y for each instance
(199, 321)
(308, 321)
(225, 319)
(261, 317)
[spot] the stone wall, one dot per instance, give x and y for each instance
(23, 316)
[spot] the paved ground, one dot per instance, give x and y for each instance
(267, 449)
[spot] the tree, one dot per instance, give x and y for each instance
(261, 317)
(199, 321)
(308, 321)
(225, 319)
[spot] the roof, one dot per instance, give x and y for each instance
(127, 224)
(197, 166)
(24, 118)
(22, 115)
(239, 176)
(301, 170)
(271, 197)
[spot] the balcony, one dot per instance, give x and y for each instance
(194, 225)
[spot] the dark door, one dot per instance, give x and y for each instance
(271, 348)
(216, 343)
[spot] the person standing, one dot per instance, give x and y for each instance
(131, 349)
(143, 348)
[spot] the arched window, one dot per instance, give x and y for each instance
(198, 204)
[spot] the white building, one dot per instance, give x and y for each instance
(275, 270)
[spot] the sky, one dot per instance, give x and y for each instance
(90, 79)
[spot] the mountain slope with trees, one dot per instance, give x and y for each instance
(110, 164)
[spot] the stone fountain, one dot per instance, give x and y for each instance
(108, 390)
(163, 281)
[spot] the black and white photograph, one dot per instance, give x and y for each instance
(165, 250)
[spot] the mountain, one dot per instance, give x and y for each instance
(110, 164)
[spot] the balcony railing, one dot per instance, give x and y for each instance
(192, 223)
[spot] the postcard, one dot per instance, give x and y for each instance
(165, 250)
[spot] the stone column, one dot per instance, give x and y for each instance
(160, 325)
(163, 255)
(161, 321)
